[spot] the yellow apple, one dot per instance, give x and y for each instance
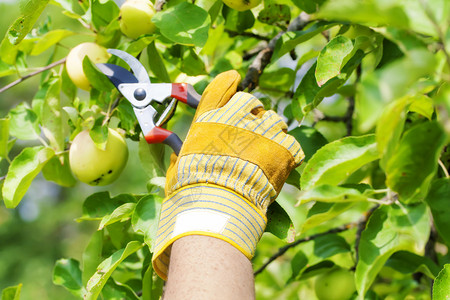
(136, 18)
(242, 5)
(338, 284)
(94, 166)
(74, 62)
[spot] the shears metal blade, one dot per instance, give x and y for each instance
(137, 88)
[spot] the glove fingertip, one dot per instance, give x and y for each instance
(219, 91)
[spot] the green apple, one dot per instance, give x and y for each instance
(74, 62)
(338, 284)
(136, 18)
(242, 5)
(94, 166)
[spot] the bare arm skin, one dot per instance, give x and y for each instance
(203, 267)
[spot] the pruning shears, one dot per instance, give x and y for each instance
(142, 94)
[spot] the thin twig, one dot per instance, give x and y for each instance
(283, 250)
(232, 33)
(351, 105)
(444, 169)
(349, 115)
(111, 107)
(263, 58)
(253, 52)
(159, 4)
(2, 178)
(86, 25)
(40, 70)
(441, 35)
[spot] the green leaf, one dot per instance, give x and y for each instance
(335, 161)
(156, 64)
(393, 81)
(441, 286)
(414, 163)
(100, 204)
(309, 95)
(152, 158)
(99, 134)
(23, 123)
(442, 98)
(152, 286)
(126, 115)
(110, 35)
(332, 58)
(409, 263)
(105, 269)
(92, 256)
(145, 218)
(275, 14)
(329, 193)
(390, 127)
(67, 273)
(277, 79)
(96, 78)
(51, 120)
(419, 20)
(192, 64)
(147, 280)
(30, 11)
(4, 136)
(9, 54)
(21, 173)
(237, 21)
(49, 39)
(370, 13)
(120, 214)
(12, 292)
(68, 5)
(39, 99)
(309, 6)
(57, 169)
(67, 85)
(422, 105)
(390, 229)
(279, 223)
(103, 13)
(175, 26)
(135, 47)
(291, 39)
(72, 114)
(214, 9)
(317, 251)
(438, 201)
(5, 69)
(310, 140)
(294, 178)
(323, 211)
(118, 291)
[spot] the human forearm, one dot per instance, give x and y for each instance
(203, 267)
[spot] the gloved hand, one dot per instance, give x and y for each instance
(233, 163)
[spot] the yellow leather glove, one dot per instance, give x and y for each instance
(233, 163)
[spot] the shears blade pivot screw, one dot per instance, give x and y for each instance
(140, 94)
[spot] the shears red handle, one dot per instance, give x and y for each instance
(185, 93)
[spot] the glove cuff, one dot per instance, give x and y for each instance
(211, 210)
